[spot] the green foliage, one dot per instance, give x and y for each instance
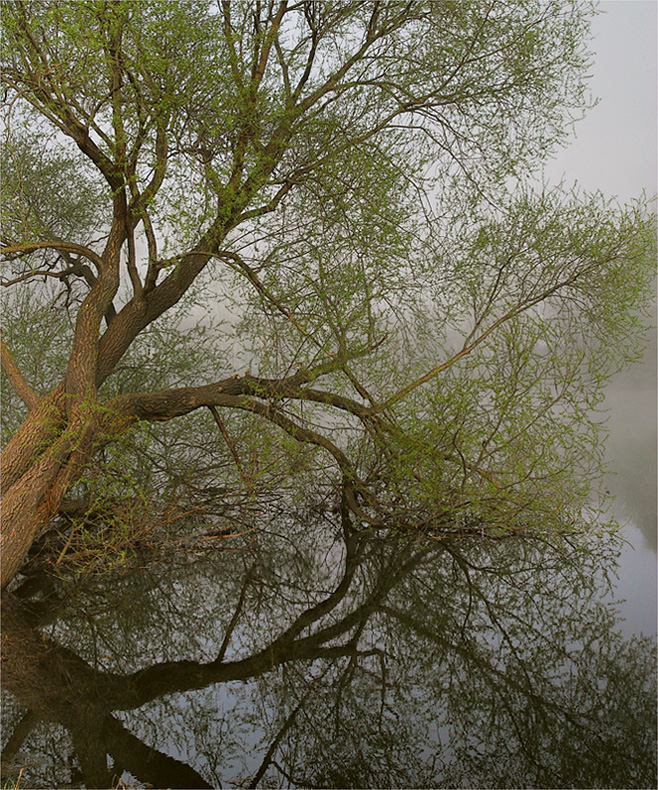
(46, 191)
(337, 190)
(39, 332)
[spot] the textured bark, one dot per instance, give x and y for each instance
(40, 428)
(29, 505)
(20, 386)
(39, 464)
(25, 511)
(34, 499)
(51, 450)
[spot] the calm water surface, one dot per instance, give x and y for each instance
(335, 662)
(309, 657)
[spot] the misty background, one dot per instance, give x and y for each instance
(615, 150)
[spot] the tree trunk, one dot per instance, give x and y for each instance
(32, 501)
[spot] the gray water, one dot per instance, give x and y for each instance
(314, 658)
(356, 662)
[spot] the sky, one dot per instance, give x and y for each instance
(615, 145)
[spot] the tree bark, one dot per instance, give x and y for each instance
(33, 500)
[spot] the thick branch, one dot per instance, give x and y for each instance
(165, 405)
(82, 367)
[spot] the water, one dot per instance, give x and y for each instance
(337, 661)
(631, 454)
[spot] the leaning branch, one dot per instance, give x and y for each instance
(16, 379)
(255, 396)
(470, 344)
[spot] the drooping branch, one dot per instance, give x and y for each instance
(239, 264)
(60, 246)
(259, 397)
(231, 447)
(300, 433)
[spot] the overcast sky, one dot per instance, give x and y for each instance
(615, 148)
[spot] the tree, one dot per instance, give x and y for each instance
(336, 172)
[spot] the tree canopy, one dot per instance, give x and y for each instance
(337, 198)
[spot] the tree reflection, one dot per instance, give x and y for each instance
(362, 662)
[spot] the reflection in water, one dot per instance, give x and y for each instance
(354, 661)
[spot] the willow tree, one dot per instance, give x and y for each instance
(339, 174)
